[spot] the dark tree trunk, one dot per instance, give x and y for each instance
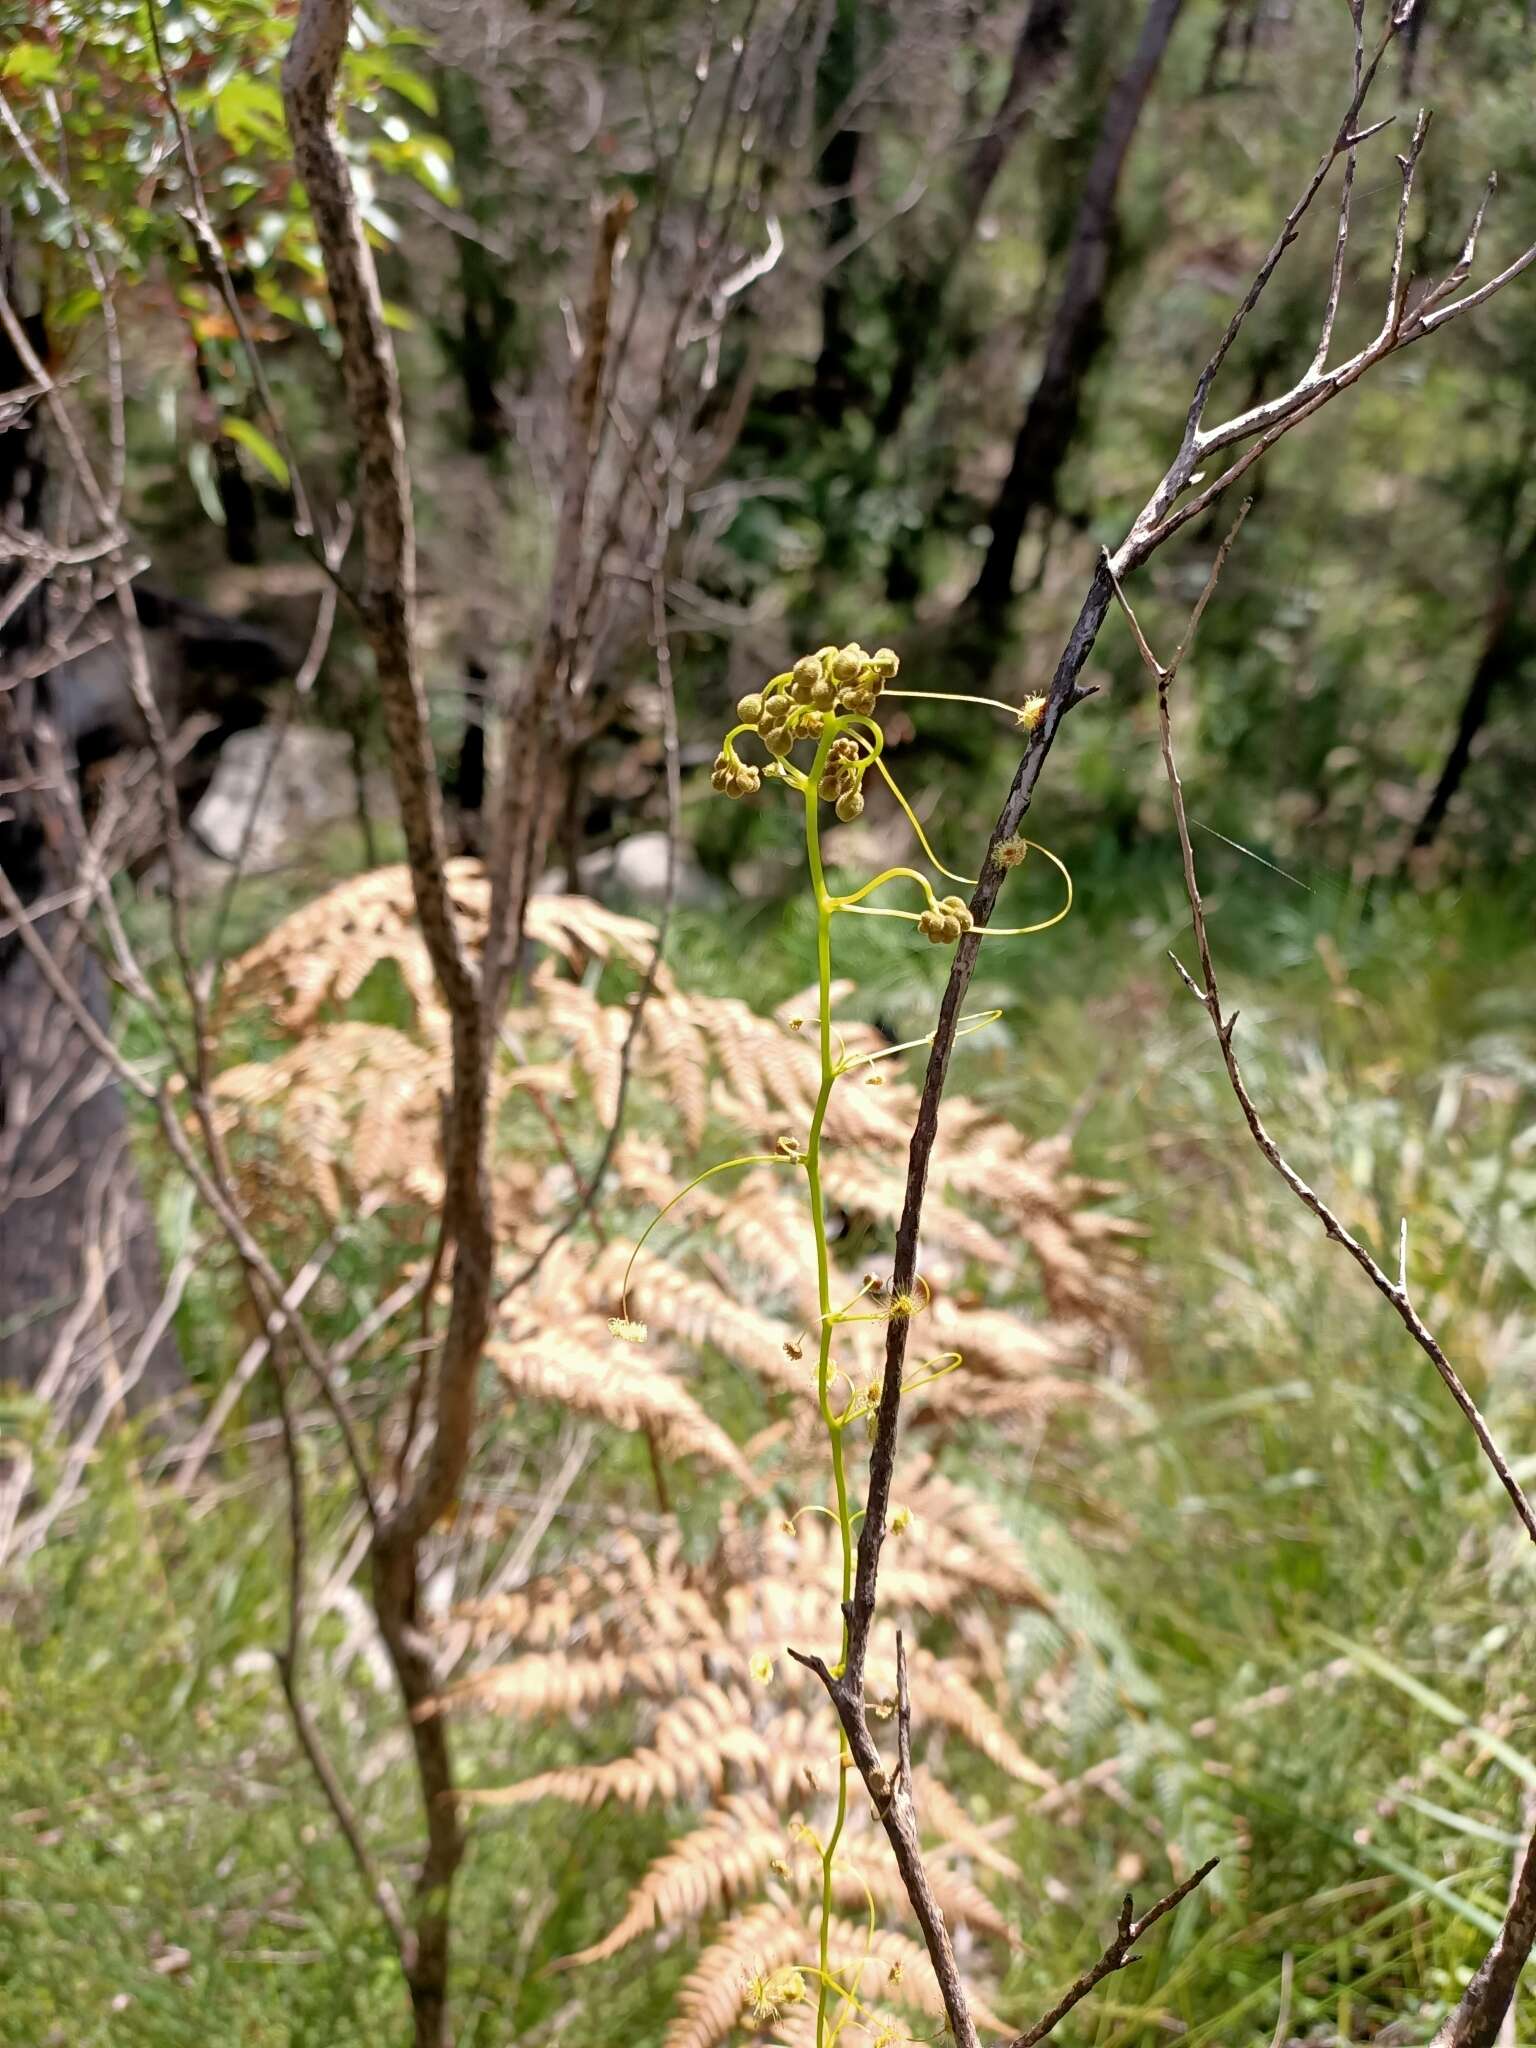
(1038, 56)
(80, 1278)
(1509, 646)
(237, 500)
(1077, 328)
(1413, 38)
(834, 382)
(482, 346)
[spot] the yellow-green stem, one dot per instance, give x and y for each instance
(832, 1423)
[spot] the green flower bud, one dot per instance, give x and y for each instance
(749, 709)
(846, 665)
(807, 670)
(823, 694)
(850, 805)
(778, 739)
(885, 663)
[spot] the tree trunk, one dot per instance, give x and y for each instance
(1038, 56)
(80, 1280)
(1509, 642)
(236, 498)
(483, 343)
(1077, 327)
(833, 381)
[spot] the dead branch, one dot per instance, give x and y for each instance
(1477, 2017)
(289, 1662)
(1162, 516)
(1208, 994)
(1120, 1953)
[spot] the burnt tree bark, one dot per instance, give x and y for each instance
(833, 381)
(1038, 55)
(1508, 647)
(79, 1265)
(482, 345)
(1077, 329)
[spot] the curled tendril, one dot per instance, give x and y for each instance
(1024, 931)
(724, 1166)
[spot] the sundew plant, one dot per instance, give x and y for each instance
(830, 703)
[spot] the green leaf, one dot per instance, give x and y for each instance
(200, 469)
(256, 443)
(70, 311)
(33, 64)
(249, 112)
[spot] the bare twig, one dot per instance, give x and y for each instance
(1477, 2016)
(592, 1186)
(289, 1662)
(1120, 1953)
(1160, 518)
(310, 74)
(534, 728)
(897, 1815)
(1207, 993)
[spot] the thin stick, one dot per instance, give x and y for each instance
(1120, 1953)
(1209, 996)
(289, 1664)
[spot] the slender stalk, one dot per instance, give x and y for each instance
(833, 1423)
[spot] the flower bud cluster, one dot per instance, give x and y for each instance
(734, 777)
(948, 921)
(841, 779)
(791, 706)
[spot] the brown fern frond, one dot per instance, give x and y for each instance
(727, 1855)
(698, 1743)
(942, 1694)
(962, 1537)
(595, 1603)
(711, 1996)
(555, 1684)
(677, 1057)
(861, 1874)
(574, 925)
(584, 1369)
(954, 1832)
(591, 1033)
(698, 1310)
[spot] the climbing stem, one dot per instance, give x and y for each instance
(832, 1421)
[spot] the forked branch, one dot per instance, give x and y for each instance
(1208, 993)
(1180, 495)
(1475, 2020)
(1119, 1955)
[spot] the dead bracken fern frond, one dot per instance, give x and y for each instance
(578, 1369)
(685, 1648)
(888, 1968)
